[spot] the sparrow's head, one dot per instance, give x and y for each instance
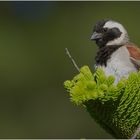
(108, 32)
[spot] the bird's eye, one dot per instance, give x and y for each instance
(105, 29)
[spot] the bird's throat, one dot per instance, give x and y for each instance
(104, 54)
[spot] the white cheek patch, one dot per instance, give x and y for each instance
(123, 39)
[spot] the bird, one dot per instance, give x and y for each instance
(116, 54)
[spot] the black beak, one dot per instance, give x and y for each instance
(96, 36)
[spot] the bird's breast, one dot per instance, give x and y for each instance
(119, 64)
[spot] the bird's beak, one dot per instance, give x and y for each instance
(96, 36)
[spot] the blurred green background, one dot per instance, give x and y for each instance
(33, 64)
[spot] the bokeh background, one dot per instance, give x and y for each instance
(33, 64)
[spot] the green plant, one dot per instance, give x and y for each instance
(116, 107)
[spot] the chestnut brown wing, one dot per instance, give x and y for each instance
(134, 52)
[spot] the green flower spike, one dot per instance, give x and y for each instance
(115, 107)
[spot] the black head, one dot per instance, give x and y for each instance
(108, 32)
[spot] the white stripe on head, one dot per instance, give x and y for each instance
(123, 39)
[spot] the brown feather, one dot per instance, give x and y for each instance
(134, 52)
